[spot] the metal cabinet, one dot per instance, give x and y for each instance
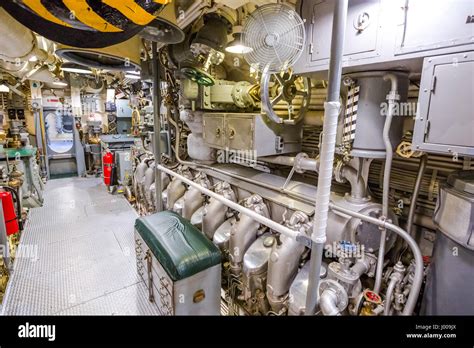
(214, 130)
(445, 118)
(250, 132)
(240, 132)
(391, 34)
(361, 31)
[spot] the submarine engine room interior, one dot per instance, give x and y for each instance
(237, 158)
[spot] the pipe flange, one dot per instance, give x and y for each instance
(298, 158)
(338, 290)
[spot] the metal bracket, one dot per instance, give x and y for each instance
(305, 240)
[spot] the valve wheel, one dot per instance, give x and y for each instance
(286, 90)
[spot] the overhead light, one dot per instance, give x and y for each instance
(33, 59)
(133, 72)
(236, 46)
(60, 83)
(132, 76)
(4, 88)
(75, 68)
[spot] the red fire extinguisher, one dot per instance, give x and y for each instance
(9, 215)
(107, 161)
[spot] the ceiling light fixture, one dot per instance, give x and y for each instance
(75, 68)
(132, 76)
(236, 46)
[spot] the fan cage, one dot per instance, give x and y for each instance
(277, 36)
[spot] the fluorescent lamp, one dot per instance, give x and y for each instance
(75, 68)
(132, 76)
(4, 88)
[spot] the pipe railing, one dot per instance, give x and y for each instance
(237, 207)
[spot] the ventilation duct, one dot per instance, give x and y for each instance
(124, 56)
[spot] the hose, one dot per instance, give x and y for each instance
(393, 95)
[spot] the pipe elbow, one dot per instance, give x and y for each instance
(358, 187)
(328, 303)
(393, 80)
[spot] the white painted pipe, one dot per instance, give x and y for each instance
(328, 148)
(392, 98)
(235, 206)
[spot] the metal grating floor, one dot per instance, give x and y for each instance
(77, 256)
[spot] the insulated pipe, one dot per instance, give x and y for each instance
(18, 42)
(328, 146)
(392, 97)
(157, 125)
(416, 192)
(237, 207)
(418, 277)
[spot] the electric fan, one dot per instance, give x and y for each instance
(277, 36)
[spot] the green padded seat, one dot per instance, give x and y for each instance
(179, 247)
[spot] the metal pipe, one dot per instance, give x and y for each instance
(328, 303)
(389, 294)
(237, 207)
(300, 161)
(157, 125)
(416, 191)
(328, 147)
(282, 268)
(280, 160)
(392, 97)
(358, 187)
(418, 277)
